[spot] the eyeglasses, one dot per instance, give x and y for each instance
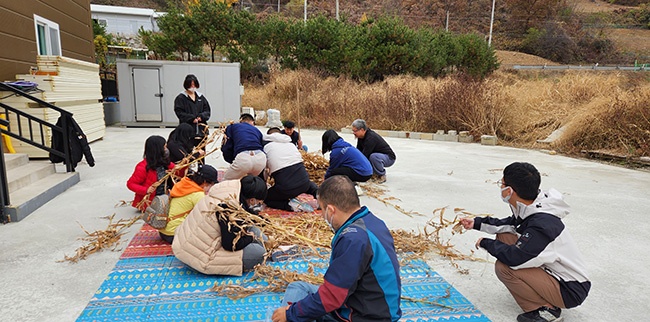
(355, 130)
(500, 183)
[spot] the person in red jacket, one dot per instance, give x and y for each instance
(154, 166)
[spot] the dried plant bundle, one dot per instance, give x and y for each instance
(268, 279)
(316, 165)
(99, 240)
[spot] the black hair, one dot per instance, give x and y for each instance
(246, 118)
(205, 173)
(154, 152)
(252, 187)
(329, 137)
(523, 178)
(184, 135)
(187, 83)
(338, 191)
(273, 130)
(288, 124)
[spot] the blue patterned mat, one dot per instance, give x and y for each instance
(164, 289)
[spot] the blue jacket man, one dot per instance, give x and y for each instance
(362, 282)
(345, 159)
(242, 148)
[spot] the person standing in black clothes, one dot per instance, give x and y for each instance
(375, 148)
(192, 107)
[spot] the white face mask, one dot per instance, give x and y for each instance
(328, 221)
(506, 199)
(192, 89)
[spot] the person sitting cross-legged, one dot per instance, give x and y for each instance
(362, 282)
(211, 245)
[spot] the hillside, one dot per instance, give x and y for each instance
(587, 31)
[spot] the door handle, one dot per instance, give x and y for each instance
(158, 95)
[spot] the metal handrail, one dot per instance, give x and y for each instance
(4, 186)
(67, 157)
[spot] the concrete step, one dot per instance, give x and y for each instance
(14, 160)
(24, 175)
(27, 199)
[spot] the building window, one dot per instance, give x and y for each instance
(48, 39)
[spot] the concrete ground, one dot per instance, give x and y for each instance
(608, 221)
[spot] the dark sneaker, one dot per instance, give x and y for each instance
(540, 315)
(555, 311)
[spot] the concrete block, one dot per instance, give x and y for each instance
(249, 110)
(393, 134)
(440, 132)
(426, 136)
(415, 135)
(346, 130)
(402, 134)
(451, 138)
(383, 133)
(465, 137)
(488, 140)
(439, 136)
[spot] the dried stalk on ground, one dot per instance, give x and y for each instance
(101, 239)
(301, 229)
(444, 247)
(373, 190)
(276, 281)
(431, 302)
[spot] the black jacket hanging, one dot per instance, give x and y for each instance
(78, 144)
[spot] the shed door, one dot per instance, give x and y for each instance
(148, 96)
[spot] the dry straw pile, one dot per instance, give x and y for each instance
(599, 110)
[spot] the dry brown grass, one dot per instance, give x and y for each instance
(520, 107)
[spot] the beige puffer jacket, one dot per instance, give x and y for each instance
(198, 238)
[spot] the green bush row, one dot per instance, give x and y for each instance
(368, 51)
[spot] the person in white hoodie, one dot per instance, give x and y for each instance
(286, 167)
(537, 259)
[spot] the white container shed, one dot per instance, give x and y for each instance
(147, 89)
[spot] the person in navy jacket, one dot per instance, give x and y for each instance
(362, 282)
(243, 149)
(345, 159)
(537, 259)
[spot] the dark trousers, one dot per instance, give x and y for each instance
(278, 198)
(350, 174)
(166, 238)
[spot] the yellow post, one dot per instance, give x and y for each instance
(6, 140)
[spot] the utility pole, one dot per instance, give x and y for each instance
(447, 22)
(491, 24)
(337, 11)
(278, 6)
